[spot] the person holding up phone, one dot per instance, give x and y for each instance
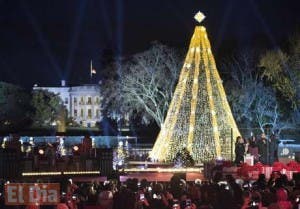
(142, 202)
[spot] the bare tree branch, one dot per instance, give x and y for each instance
(147, 82)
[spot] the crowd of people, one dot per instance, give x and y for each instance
(263, 149)
(221, 192)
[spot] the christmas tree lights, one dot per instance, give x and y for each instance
(199, 117)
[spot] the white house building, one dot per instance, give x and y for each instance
(83, 103)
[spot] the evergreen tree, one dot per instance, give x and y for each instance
(199, 116)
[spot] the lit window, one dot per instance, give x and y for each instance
(89, 100)
(97, 100)
(81, 113)
(89, 113)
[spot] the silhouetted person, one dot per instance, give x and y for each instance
(263, 149)
(253, 148)
(14, 144)
(261, 182)
(239, 150)
(50, 153)
(85, 151)
(273, 148)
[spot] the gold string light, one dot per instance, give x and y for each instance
(199, 117)
(163, 170)
(60, 173)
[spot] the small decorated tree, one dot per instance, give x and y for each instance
(121, 155)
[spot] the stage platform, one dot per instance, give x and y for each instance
(162, 177)
(163, 172)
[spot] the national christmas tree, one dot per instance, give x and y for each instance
(199, 116)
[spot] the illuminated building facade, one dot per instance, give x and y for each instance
(83, 103)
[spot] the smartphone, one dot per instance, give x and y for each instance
(254, 203)
(142, 196)
(188, 203)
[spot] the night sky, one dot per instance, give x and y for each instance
(44, 41)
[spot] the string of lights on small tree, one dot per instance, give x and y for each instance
(120, 155)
